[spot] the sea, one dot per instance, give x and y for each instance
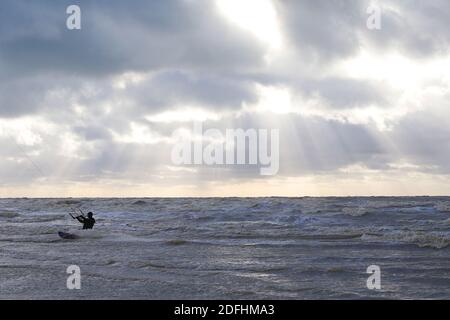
(227, 248)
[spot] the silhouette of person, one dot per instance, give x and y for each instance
(88, 223)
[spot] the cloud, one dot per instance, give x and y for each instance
(116, 37)
(99, 105)
(323, 31)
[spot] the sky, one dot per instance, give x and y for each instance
(91, 112)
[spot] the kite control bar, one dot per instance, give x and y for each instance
(81, 215)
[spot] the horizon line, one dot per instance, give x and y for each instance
(224, 197)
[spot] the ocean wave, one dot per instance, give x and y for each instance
(329, 236)
(43, 218)
(436, 240)
(8, 214)
(356, 211)
(85, 234)
(28, 239)
(176, 242)
(67, 202)
(139, 203)
(336, 269)
(443, 206)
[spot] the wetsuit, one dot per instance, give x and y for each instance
(88, 223)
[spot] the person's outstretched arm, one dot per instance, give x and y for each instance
(81, 219)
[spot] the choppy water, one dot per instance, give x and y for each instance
(228, 248)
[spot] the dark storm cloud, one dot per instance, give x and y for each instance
(424, 137)
(323, 30)
(163, 90)
(205, 61)
(171, 88)
(117, 37)
(326, 30)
